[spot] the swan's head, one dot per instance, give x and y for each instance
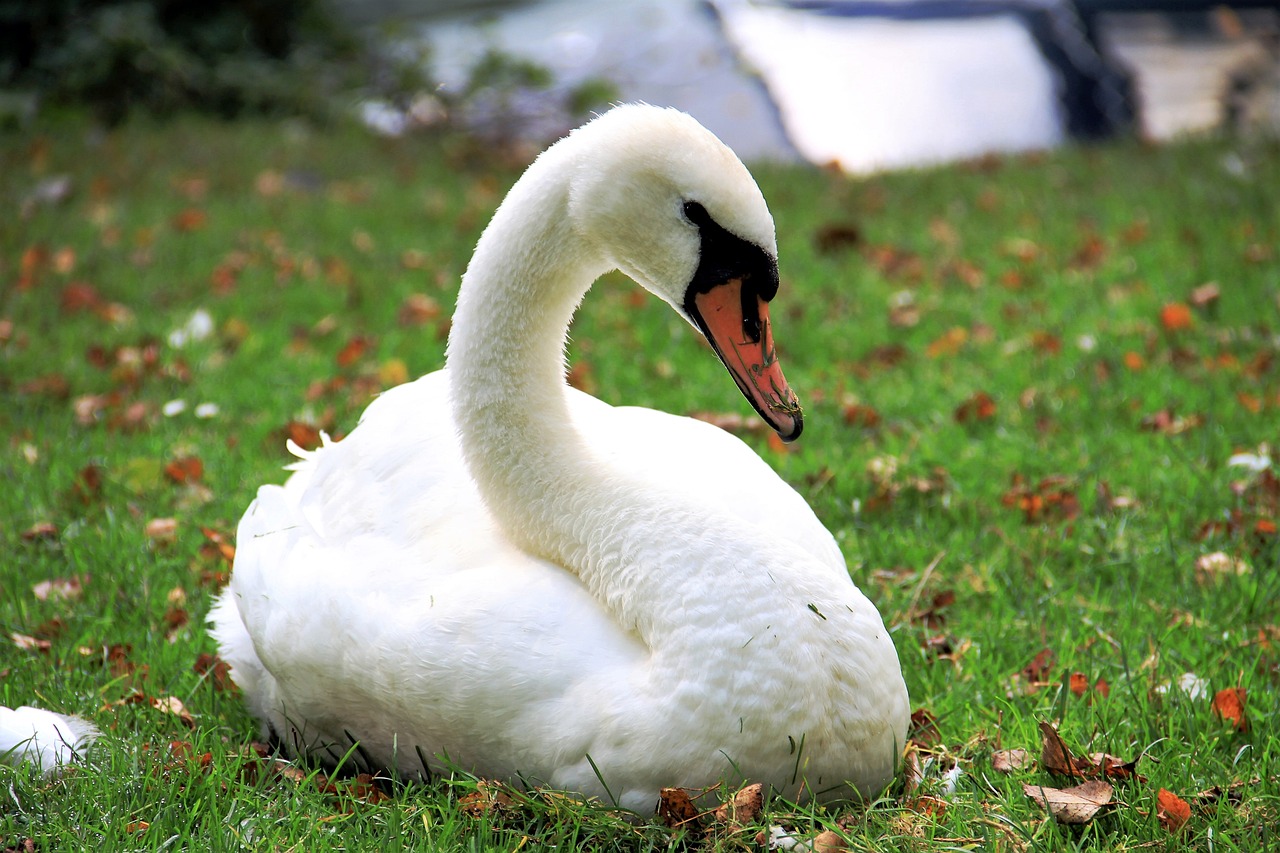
(670, 205)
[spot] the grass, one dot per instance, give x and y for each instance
(1018, 423)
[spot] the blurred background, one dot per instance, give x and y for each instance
(859, 84)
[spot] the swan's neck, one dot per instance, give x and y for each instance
(632, 543)
(506, 360)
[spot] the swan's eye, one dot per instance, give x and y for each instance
(696, 213)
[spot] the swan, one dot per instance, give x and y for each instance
(497, 573)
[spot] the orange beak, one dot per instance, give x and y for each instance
(737, 325)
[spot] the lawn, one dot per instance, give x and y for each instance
(1042, 397)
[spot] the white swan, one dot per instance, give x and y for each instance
(498, 573)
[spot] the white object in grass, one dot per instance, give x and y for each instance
(43, 738)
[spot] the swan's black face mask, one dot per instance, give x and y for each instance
(728, 298)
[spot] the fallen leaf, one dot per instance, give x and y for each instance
(64, 589)
(162, 530)
(1172, 811)
(190, 219)
(744, 808)
(1074, 806)
(676, 808)
(1055, 757)
(829, 841)
(1206, 295)
(216, 670)
(923, 728)
(418, 309)
(1228, 705)
(1037, 671)
(489, 797)
(353, 351)
(28, 643)
(948, 343)
(1166, 422)
(836, 236)
(1175, 317)
(1009, 760)
(979, 407)
(1218, 565)
(43, 530)
(184, 469)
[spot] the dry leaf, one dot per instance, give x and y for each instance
(60, 588)
(829, 841)
(745, 806)
(1172, 811)
(1175, 317)
(1075, 806)
(40, 530)
(1055, 757)
(489, 797)
(28, 643)
(1228, 704)
(1009, 760)
(980, 407)
(676, 808)
(161, 530)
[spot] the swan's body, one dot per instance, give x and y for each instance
(498, 573)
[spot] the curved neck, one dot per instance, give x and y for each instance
(506, 358)
(538, 477)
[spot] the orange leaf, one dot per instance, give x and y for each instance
(191, 219)
(1175, 317)
(1171, 810)
(1229, 705)
(184, 469)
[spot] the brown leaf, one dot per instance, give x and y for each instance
(1228, 704)
(1055, 757)
(1075, 806)
(80, 296)
(1009, 760)
(1206, 295)
(828, 841)
(28, 643)
(217, 671)
(924, 728)
(836, 236)
(1175, 317)
(418, 309)
(60, 588)
(216, 546)
(184, 469)
(1037, 671)
(489, 797)
(43, 530)
(744, 808)
(948, 343)
(979, 407)
(1166, 422)
(191, 219)
(305, 435)
(1172, 811)
(162, 530)
(676, 808)
(353, 351)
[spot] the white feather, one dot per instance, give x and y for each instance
(43, 738)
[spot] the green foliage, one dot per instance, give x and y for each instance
(327, 281)
(225, 56)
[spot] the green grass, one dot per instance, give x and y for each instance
(1038, 281)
